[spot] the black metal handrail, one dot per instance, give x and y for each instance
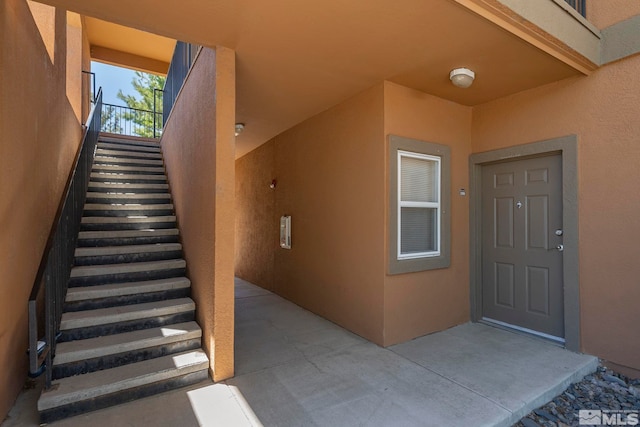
(57, 260)
(183, 56)
(131, 121)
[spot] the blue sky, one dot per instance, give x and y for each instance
(111, 79)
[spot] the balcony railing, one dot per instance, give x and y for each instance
(183, 57)
(131, 121)
(579, 6)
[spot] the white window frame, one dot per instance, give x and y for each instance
(425, 205)
(433, 261)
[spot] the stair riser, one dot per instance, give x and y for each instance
(128, 212)
(127, 162)
(120, 327)
(125, 147)
(133, 188)
(112, 361)
(132, 148)
(127, 226)
(156, 179)
(123, 300)
(153, 199)
(125, 277)
(124, 258)
(124, 241)
(129, 170)
(122, 397)
(124, 154)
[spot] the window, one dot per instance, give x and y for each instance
(418, 205)
(419, 200)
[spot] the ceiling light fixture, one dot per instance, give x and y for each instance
(239, 128)
(462, 77)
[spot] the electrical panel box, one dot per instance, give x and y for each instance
(285, 232)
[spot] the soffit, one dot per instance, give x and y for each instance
(129, 40)
(296, 59)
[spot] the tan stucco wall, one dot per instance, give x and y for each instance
(199, 152)
(419, 303)
(39, 137)
(330, 179)
(257, 230)
(605, 13)
(602, 110)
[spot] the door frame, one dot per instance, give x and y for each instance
(567, 147)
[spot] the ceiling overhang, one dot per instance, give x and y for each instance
(128, 47)
(296, 59)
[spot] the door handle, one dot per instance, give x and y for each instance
(560, 247)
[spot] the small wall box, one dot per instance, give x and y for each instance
(285, 232)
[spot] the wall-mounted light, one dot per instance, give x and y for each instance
(462, 77)
(239, 128)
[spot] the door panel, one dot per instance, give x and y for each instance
(521, 267)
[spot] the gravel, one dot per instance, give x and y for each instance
(604, 390)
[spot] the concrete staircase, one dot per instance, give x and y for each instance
(128, 328)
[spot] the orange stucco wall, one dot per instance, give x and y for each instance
(605, 13)
(199, 152)
(337, 278)
(419, 303)
(602, 110)
(330, 179)
(331, 166)
(39, 137)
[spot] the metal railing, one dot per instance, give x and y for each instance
(579, 6)
(131, 121)
(57, 260)
(181, 62)
(92, 83)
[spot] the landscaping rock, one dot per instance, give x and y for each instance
(605, 390)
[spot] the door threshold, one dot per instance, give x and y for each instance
(530, 332)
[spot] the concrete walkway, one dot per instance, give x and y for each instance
(294, 368)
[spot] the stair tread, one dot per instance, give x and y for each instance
(119, 160)
(75, 351)
(89, 386)
(128, 206)
(84, 293)
(132, 196)
(131, 267)
(126, 185)
(106, 316)
(132, 147)
(126, 219)
(128, 249)
(114, 234)
(125, 153)
(129, 140)
(125, 177)
(119, 168)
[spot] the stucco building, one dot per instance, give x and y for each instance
(529, 220)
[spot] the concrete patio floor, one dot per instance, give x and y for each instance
(294, 368)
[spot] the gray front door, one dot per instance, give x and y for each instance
(521, 261)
